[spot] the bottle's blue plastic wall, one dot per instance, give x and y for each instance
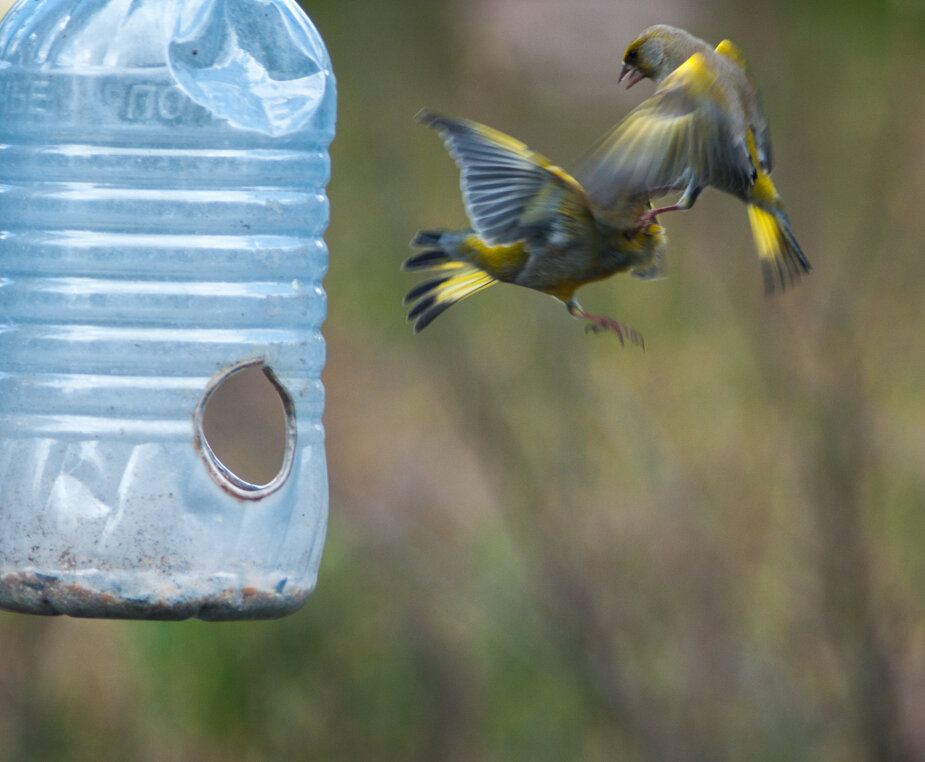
(162, 204)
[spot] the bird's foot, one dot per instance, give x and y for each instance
(599, 323)
(643, 222)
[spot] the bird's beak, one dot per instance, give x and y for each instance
(634, 75)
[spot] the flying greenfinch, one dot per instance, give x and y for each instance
(703, 126)
(533, 225)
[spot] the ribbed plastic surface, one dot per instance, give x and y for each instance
(162, 206)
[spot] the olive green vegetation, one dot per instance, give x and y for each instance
(543, 546)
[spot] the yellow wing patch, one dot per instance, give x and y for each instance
(730, 51)
(469, 281)
(695, 75)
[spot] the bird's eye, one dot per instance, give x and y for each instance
(632, 54)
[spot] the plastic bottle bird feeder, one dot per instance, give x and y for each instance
(162, 175)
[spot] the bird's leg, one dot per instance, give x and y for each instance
(643, 222)
(598, 323)
(685, 202)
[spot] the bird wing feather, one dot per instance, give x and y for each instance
(511, 193)
(754, 113)
(684, 135)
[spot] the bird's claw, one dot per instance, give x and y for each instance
(643, 222)
(600, 323)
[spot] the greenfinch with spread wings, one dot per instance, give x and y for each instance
(533, 225)
(703, 126)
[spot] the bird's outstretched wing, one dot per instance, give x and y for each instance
(687, 135)
(511, 193)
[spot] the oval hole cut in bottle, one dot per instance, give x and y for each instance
(245, 430)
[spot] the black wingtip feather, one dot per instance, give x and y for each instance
(431, 311)
(421, 306)
(425, 260)
(427, 238)
(422, 289)
(431, 118)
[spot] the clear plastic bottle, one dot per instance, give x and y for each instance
(162, 204)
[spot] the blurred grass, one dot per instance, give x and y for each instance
(543, 546)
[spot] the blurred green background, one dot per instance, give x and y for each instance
(543, 546)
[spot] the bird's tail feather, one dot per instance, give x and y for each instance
(782, 259)
(457, 278)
